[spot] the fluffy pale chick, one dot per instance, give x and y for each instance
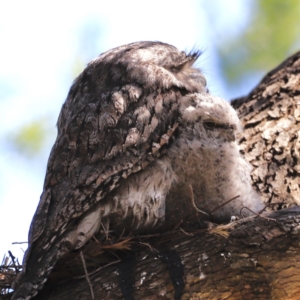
(137, 132)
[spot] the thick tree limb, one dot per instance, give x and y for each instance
(254, 258)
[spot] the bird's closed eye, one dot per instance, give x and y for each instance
(210, 125)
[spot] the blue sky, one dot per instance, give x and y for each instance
(41, 42)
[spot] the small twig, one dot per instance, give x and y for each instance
(16, 243)
(257, 214)
(249, 210)
(5, 260)
(13, 260)
(9, 267)
(193, 201)
(104, 230)
(149, 235)
(87, 275)
(121, 244)
(150, 247)
(97, 270)
(178, 225)
(226, 202)
(95, 239)
(186, 233)
(122, 234)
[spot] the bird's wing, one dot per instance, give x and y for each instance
(118, 117)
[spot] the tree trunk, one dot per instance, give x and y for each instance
(271, 139)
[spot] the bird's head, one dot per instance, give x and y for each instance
(210, 117)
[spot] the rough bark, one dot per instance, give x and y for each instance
(271, 139)
(254, 258)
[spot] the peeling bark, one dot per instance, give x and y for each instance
(271, 140)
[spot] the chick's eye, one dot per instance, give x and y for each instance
(209, 125)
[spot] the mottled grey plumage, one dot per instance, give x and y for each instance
(137, 130)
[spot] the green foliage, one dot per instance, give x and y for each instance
(271, 35)
(30, 138)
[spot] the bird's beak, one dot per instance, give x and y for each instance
(229, 135)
